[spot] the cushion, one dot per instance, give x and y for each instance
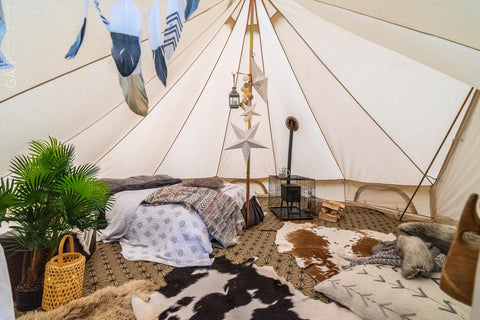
(140, 182)
(440, 235)
(211, 183)
(380, 292)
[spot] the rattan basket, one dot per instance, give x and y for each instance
(63, 277)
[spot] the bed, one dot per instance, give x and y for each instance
(175, 234)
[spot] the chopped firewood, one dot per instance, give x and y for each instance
(328, 217)
(331, 210)
(334, 205)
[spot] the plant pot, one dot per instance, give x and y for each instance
(28, 299)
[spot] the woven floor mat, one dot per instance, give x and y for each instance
(108, 267)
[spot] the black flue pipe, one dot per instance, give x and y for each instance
(291, 124)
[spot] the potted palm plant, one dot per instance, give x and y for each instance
(46, 197)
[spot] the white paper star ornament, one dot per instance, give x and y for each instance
(250, 111)
(245, 140)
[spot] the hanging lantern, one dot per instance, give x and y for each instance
(234, 98)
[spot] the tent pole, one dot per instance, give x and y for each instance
(249, 124)
(436, 154)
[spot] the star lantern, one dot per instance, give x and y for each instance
(245, 140)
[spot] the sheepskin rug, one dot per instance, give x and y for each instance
(105, 304)
(321, 251)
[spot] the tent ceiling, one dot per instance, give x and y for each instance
(369, 110)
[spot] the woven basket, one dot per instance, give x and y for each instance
(63, 277)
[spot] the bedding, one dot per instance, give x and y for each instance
(139, 182)
(381, 292)
(168, 233)
(218, 210)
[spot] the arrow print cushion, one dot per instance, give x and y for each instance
(380, 292)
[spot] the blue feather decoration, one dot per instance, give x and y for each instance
(4, 64)
(156, 41)
(78, 42)
(173, 30)
(125, 52)
(104, 20)
(125, 30)
(160, 65)
(72, 52)
(192, 5)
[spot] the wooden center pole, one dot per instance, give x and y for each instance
(249, 124)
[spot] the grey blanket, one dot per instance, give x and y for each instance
(386, 253)
(218, 210)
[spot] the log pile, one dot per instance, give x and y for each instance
(331, 210)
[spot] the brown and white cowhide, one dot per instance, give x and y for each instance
(232, 291)
(321, 251)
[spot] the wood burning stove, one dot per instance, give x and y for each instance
(297, 196)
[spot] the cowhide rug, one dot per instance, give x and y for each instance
(321, 251)
(232, 291)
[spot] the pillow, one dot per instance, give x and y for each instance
(140, 182)
(211, 183)
(380, 292)
(440, 235)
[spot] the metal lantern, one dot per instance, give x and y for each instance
(234, 98)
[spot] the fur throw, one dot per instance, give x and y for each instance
(416, 257)
(408, 252)
(440, 235)
(105, 304)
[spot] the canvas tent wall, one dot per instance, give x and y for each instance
(375, 85)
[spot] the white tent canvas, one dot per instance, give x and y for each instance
(380, 90)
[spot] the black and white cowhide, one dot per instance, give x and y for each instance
(232, 291)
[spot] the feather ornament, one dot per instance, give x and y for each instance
(72, 52)
(192, 5)
(156, 41)
(125, 24)
(173, 30)
(134, 92)
(4, 64)
(104, 19)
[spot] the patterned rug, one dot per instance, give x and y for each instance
(108, 267)
(322, 251)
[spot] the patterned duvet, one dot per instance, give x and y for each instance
(166, 233)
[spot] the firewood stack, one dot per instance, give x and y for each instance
(331, 210)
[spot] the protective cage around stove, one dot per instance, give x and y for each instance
(284, 201)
